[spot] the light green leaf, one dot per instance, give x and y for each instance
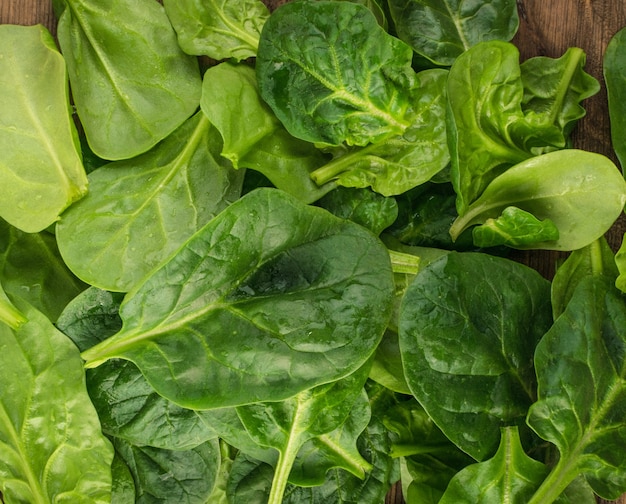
(51, 445)
(581, 192)
(219, 29)
(40, 164)
(131, 83)
(342, 79)
(302, 296)
(141, 210)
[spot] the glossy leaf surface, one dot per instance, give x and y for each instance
(614, 70)
(40, 164)
(260, 142)
(128, 407)
(131, 83)
(581, 192)
(219, 29)
(51, 445)
(441, 30)
(141, 210)
(342, 79)
(463, 329)
(581, 366)
(309, 291)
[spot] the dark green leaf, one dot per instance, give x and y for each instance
(614, 71)
(342, 79)
(305, 302)
(464, 329)
(441, 30)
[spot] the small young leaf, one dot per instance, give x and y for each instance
(514, 228)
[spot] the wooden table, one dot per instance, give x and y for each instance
(547, 28)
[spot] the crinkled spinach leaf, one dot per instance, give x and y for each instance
(219, 29)
(272, 297)
(401, 162)
(40, 163)
(441, 30)
(581, 192)
(464, 329)
(131, 83)
(51, 445)
(343, 79)
(140, 211)
(165, 476)
(581, 370)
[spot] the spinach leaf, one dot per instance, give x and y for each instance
(220, 29)
(580, 365)
(620, 262)
(288, 424)
(509, 476)
(164, 476)
(128, 407)
(260, 142)
(464, 329)
(32, 268)
(401, 162)
(514, 228)
(503, 113)
(614, 70)
(131, 83)
(443, 30)
(40, 163)
(342, 79)
(140, 211)
(596, 259)
(9, 314)
(269, 276)
(581, 192)
(123, 484)
(50, 439)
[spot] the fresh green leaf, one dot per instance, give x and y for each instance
(342, 79)
(260, 142)
(9, 314)
(614, 71)
(128, 407)
(165, 476)
(464, 329)
(404, 161)
(365, 207)
(32, 268)
(40, 163)
(309, 291)
(443, 30)
(514, 228)
(219, 29)
(595, 259)
(581, 192)
(620, 262)
(581, 371)
(131, 83)
(141, 210)
(123, 483)
(50, 439)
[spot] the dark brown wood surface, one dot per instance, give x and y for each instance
(547, 28)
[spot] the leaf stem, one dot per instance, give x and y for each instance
(9, 314)
(337, 166)
(404, 263)
(557, 481)
(281, 474)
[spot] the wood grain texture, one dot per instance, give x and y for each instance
(547, 28)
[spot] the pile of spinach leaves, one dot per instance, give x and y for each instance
(282, 276)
